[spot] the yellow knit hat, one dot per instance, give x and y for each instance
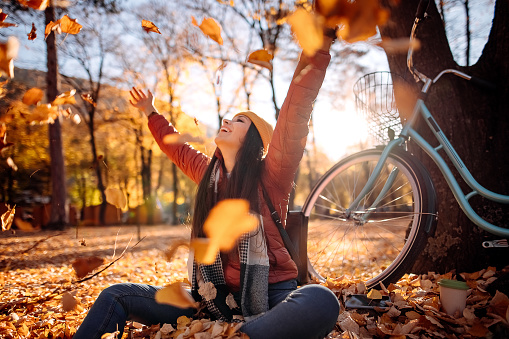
(264, 128)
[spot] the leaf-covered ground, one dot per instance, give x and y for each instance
(40, 296)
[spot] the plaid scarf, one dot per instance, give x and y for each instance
(254, 276)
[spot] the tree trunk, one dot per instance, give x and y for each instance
(97, 167)
(58, 217)
(476, 123)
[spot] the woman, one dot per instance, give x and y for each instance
(259, 274)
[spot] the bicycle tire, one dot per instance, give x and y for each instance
(384, 247)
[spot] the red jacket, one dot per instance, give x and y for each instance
(281, 163)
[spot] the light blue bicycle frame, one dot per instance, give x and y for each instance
(408, 131)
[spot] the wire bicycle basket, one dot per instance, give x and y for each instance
(374, 99)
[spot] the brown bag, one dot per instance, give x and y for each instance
(295, 237)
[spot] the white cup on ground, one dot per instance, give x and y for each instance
(453, 295)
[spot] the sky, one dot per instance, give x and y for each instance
(337, 131)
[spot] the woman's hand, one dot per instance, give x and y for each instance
(143, 102)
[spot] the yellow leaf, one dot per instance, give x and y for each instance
(4, 16)
(183, 321)
(374, 294)
(210, 28)
(33, 96)
(227, 221)
(393, 46)
(8, 218)
(35, 4)
(307, 29)
(116, 197)
(110, 335)
(149, 26)
(175, 295)
(8, 51)
(88, 98)
(66, 98)
(262, 58)
(204, 252)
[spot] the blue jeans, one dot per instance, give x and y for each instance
(308, 312)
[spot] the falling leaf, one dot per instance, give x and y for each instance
(204, 251)
(88, 98)
(76, 119)
(261, 57)
(149, 26)
(230, 301)
(66, 98)
(3, 138)
(307, 29)
(393, 46)
(116, 197)
(208, 291)
(8, 51)
(226, 222)
(83, 266)
(35, 4)
(8, 218)
(63, 25)
(11, 164)
(32, 35)
(195, 121)
(33, 96)
(69, 302)
(181, 138)
(175, 295)
(210, 28)
(173, 247)
(4, 16)
(24, 226)
(44, 113)
(374, 294)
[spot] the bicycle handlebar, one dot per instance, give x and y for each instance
(419, 16)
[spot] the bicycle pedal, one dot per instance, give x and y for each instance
(495, 243)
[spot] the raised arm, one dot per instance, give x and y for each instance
(192, 162)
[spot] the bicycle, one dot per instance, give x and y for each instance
(372, 213)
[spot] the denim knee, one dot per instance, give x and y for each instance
(326, 306)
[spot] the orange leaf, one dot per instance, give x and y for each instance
(116, 197)
(66, 98)
(24, 226)
(7, 218)
(32, 35)
(43, 114)
(262, 58)
(210, 28)
(83, 266)
(175, 295)
(374, 294)
(8, 51)
(308, 30)
(4, 16)
(64, 25)
(227, 221)
(149, 26)
(204, 251)
(393, 46)
(35, 4)
(88, 98)
(174, 246)
(33, 96)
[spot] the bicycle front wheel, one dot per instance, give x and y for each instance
(378, 240)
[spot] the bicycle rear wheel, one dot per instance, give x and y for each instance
(374, 243)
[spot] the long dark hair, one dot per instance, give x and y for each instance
(242, 184)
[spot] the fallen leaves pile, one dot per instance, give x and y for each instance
(41, 299)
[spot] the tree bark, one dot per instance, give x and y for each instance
(474, 120)
(58, 217)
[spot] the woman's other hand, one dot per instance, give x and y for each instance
(143, 102)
